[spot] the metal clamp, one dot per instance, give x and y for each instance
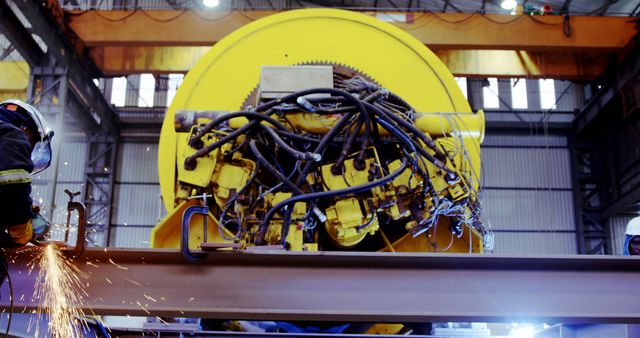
(186, 221)
(77, 250)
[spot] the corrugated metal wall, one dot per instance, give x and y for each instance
(527, 194)
(137, 201)
(73, 156)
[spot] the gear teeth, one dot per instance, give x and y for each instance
(247, 98)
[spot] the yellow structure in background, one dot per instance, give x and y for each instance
(14, 80)
(230, 70)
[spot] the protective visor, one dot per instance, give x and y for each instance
(41, 154)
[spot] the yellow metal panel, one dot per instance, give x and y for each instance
(167, 233)
(14, 79)
(451, 30)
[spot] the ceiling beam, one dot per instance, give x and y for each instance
(573, 65)
(446, 30)
(80, 83)
(21, 39)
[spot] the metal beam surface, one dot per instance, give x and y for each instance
(13, 29)
(575, 65)
(617, 78)
(343, 286)
(80, 82)
(450, 30)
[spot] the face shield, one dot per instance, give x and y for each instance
(41, 154)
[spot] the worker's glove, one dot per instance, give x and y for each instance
(21, 234)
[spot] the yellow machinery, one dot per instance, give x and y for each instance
(320, 129)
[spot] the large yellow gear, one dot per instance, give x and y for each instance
(230, 71)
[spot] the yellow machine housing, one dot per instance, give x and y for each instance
(226, 80)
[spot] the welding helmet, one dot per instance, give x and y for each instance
(41, 152)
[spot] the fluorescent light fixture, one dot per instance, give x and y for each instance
(509, 4)
(211, 3)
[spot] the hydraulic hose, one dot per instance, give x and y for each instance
(207, 128)
(305, 156)
(283, 179)
(336, 169)
(380, 114)
(334, 193)
(190, 162)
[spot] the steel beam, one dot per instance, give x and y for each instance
(623, 203)
(575, 65)
(344, 286)
(450, 30)
(11, 26)
(80, 81)
(617, 78)
(567, 65)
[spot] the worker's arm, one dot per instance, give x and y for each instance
(15, 187)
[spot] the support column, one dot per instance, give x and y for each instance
(589, 189)
(99, 183)
(474, 93)
(47, 92)
(533, 95)
(133, 91)
(504, 94)
(162, 87)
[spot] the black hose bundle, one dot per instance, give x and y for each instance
(290, 161)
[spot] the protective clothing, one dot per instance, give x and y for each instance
(15, 178)
(24, 114)
(633, 229)
(17, 158)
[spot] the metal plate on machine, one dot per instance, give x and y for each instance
(278, 81)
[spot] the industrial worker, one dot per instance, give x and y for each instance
(25, 149)
(632, 238)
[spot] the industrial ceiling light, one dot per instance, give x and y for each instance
(211, 3)
(509, 4)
